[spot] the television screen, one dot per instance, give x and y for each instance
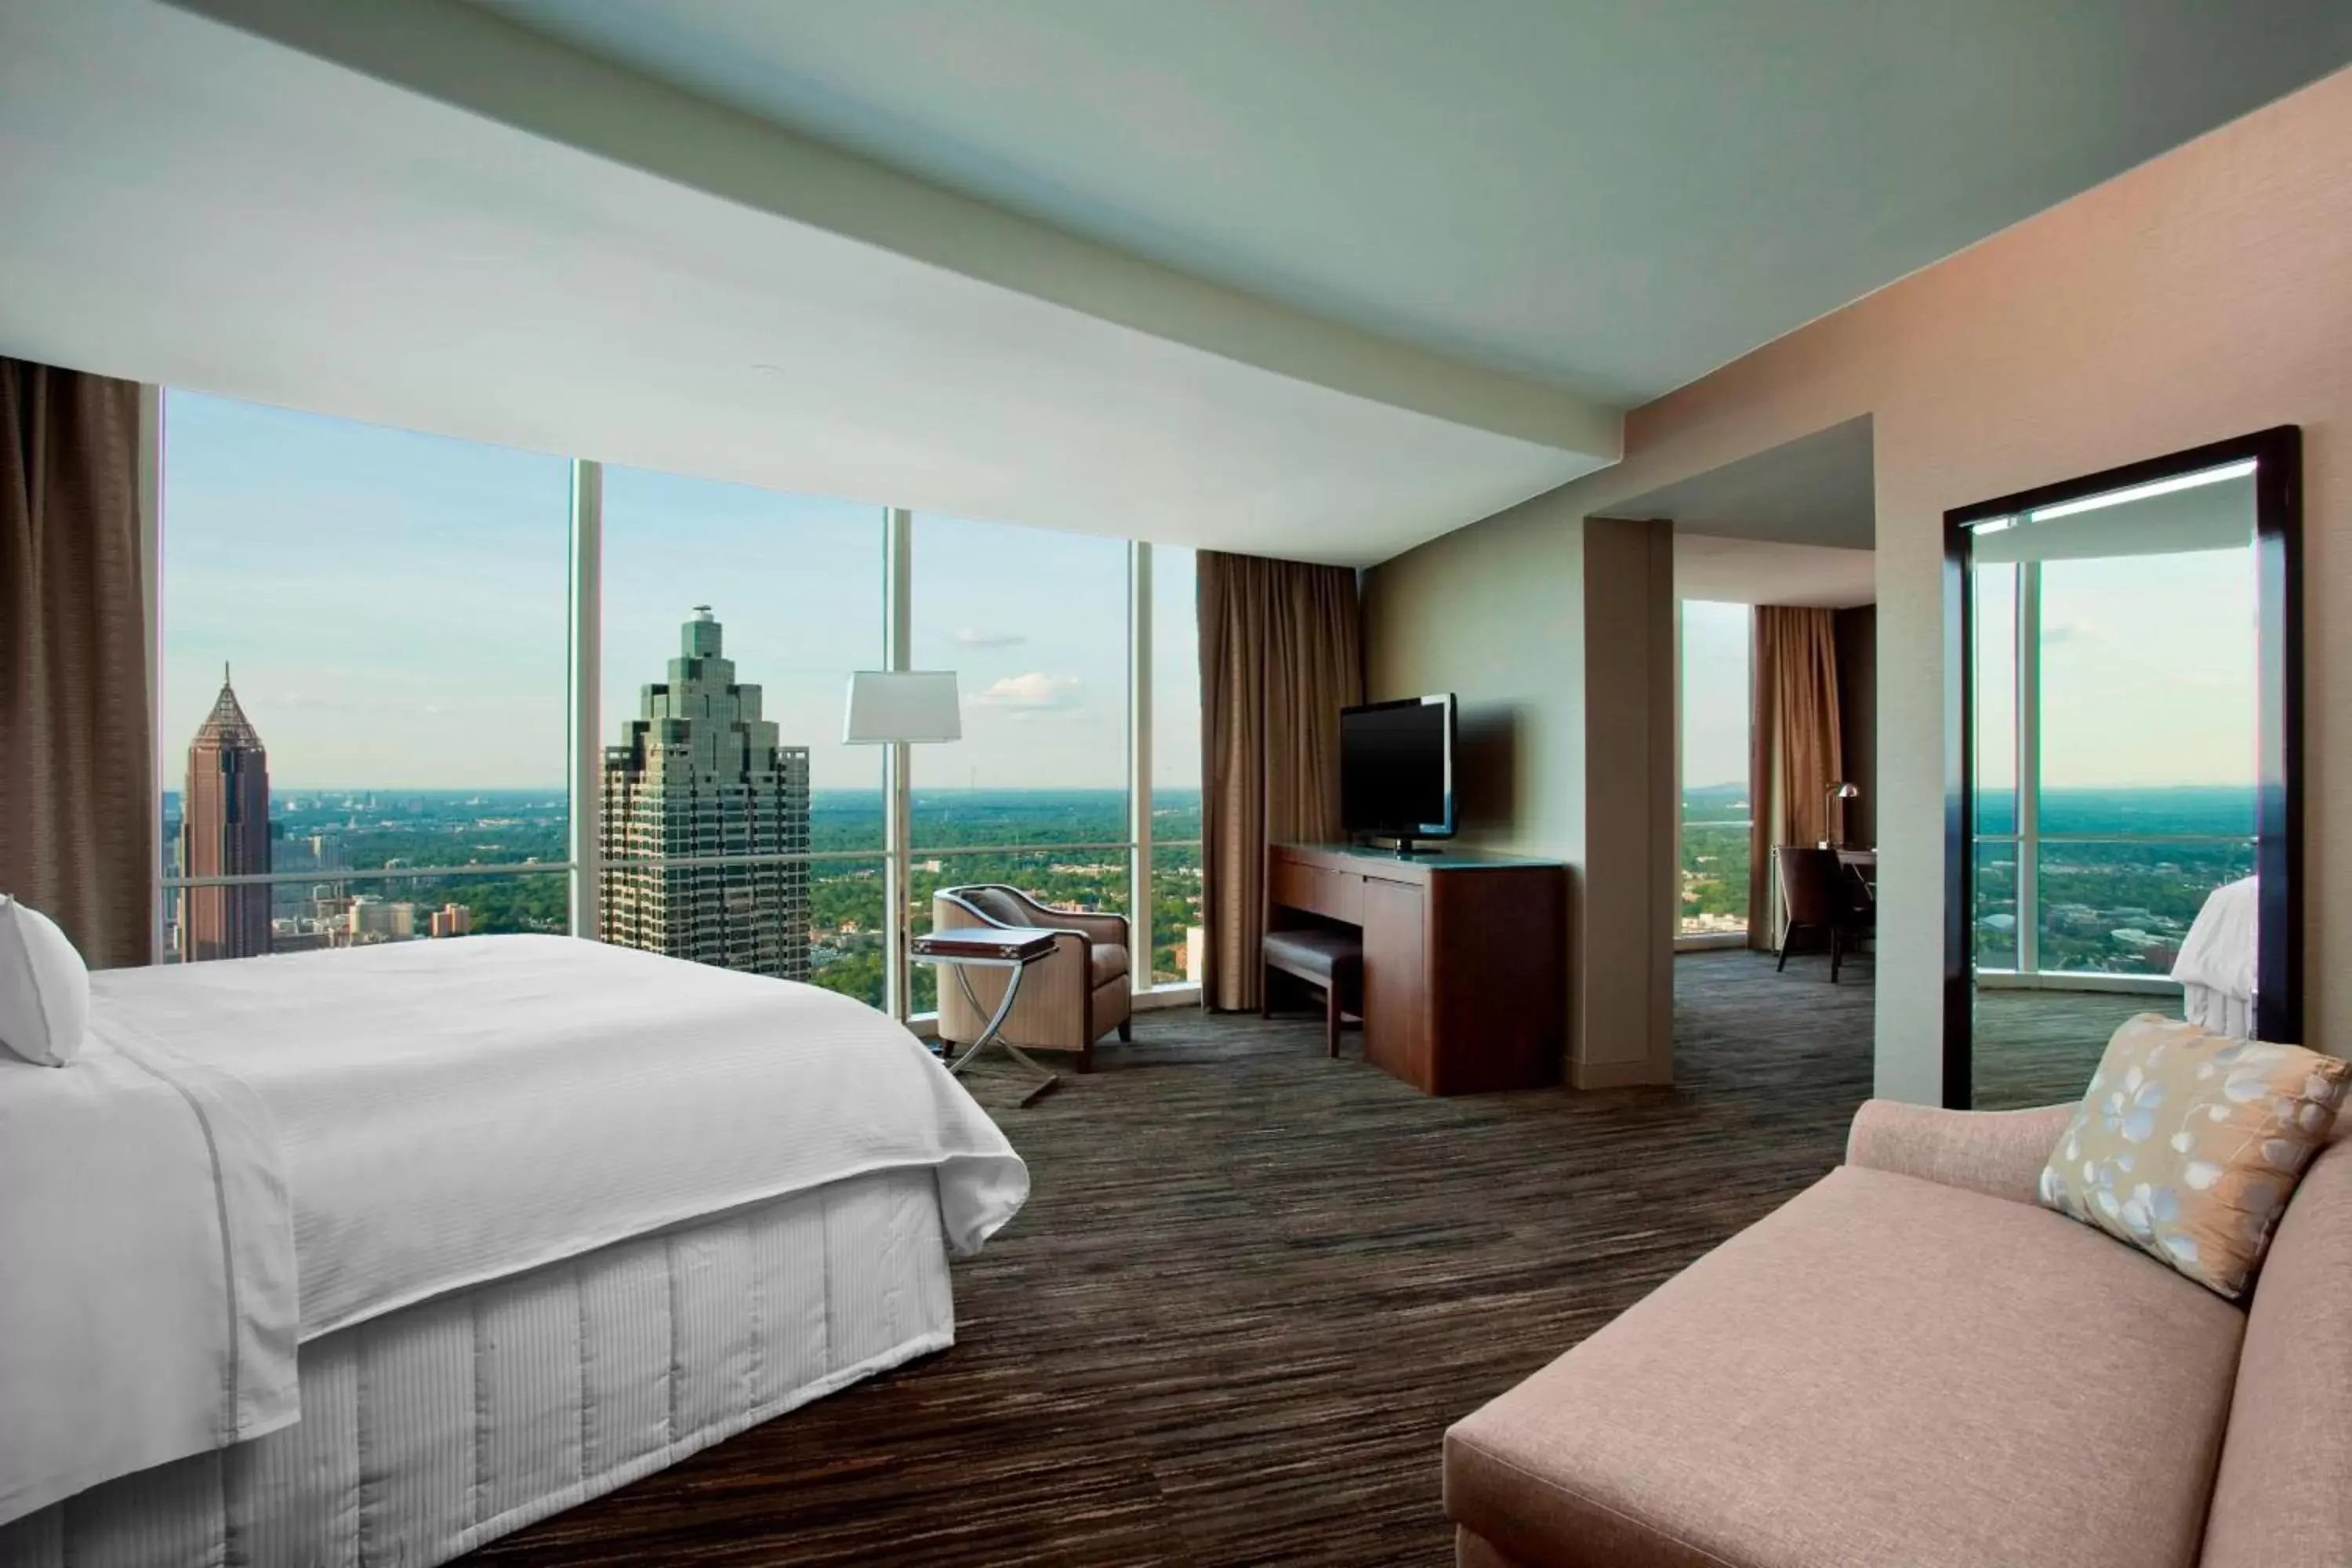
(1396, 768)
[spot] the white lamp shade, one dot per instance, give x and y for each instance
(888, 706)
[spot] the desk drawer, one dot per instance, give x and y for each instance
(1334, 895)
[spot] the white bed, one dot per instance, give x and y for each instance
(555, 1215)
(2217, 964)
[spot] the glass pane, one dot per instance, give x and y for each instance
(2121, 906)
(364, 913)
(1995, 916)
(2149, 706)
(364, 662)
(1035, 624)
(733, 617)
(1716, 641)
(1996, 698)
(1094, 880)
(1176, 930)
(847, 934)
(1175, 765)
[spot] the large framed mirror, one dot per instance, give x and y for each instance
(2123, 764)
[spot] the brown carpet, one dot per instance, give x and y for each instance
(2038, 1047)
(1253, 1288)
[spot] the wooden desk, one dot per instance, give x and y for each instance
(1464, 955)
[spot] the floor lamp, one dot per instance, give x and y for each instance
(900, 708)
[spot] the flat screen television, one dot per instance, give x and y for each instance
(1396, 769)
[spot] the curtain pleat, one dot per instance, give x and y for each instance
(1281, 653)
(1794, 748)
(77, 809)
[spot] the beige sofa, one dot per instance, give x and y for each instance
(1068, 1001)
(1913, 1364)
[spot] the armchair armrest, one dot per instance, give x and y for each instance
(1998, 1153)
(1094, 928)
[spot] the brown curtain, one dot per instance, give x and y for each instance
(76, 751)
(1794, 748)
(1281, 653)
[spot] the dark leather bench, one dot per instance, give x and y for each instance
(1330, 961)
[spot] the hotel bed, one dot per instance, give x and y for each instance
(2216, 967)
(375, 1255)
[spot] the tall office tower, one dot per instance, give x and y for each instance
(225, 832)
(699, 773)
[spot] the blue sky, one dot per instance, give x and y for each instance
(2147, 676)
(1715, 693)
(394, 606)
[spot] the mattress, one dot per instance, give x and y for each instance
(447, 1423)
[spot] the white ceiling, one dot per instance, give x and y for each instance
(1614, 196)
(1312, 280)
(188, 203)
(1817, 489)
(1762, 572)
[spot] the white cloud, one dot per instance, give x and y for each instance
(974, 637)
(1036, 693)
(2070, 629)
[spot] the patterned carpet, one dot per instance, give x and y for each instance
(2037, 1047)
(1253, 1288)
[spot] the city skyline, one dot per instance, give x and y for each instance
(406, 580)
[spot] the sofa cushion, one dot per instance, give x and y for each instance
(2188, 1143)
(1885, 1370)
(1105, 961)
(2281, 1496)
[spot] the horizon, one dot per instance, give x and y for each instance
(392, 600)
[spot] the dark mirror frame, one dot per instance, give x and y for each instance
(2278, 800)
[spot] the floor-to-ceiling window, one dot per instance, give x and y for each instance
(1036, 795)
(741, 610)
(460, 697)
(362, 656)
(1716, 641)
(1175, 644)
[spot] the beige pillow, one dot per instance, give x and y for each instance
(2188, 1143)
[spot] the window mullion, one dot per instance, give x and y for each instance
(587, 694)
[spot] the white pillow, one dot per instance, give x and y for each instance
(44, 987)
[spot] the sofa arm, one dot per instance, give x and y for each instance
(1998, 1153)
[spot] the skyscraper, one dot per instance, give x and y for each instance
(225, 832)
(697, 773)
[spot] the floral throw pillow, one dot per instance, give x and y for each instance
(2188, 1143)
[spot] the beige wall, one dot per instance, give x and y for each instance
(2201, 296)
(1510, 615)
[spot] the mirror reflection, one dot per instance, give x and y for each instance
(2115, 716)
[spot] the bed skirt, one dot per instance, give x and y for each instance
(433, 1429)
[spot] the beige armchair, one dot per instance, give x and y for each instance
(1067, 1001)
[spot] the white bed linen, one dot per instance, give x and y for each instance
(429, 1431)
(459, 1110)
(452, 1112)
(2219, 951)
(147, 1269)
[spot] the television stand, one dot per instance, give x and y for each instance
(1462, 953)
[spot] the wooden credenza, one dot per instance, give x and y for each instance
(1463, 954)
